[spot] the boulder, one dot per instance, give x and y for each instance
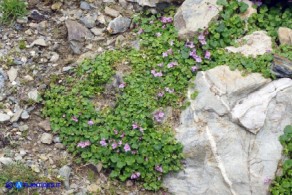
(257, 43)
(119, 25)
(230, 134)
(281, 67)
(194, 15)
(285, 35)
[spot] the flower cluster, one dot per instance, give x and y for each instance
(90, 122)
(103, 142)
(166, 20)
(83, 144)
(159, 116)
(202, 40)
(194, 55)
(172, 64)
(127, 147)
(135, 175)
(190, 44)
(167, 53)
(156, 74)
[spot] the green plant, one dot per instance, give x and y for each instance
(11, 10)
(22, 44)
(283, 184)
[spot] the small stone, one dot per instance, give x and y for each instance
(285, 35)
(12, 74)
(59, 146)
(57, 139)
(55, 57)
(33, 95)
(16, 115)
(23, 128)
(22, 20)
(17, 158)
(111, 12)
(56, 6)
(43, 157)
(84, 5)
(119, 25)
(67, 68)
(88, 21)
(6, 161)
(64, 172)
(47, 138)
(123, 3)
(28, 78)
(101, 19)
(129, 183)
(39, 42)
(24, 115)
(119, 40)
(93, 188)
(36, 168)
(22, 152)
(97, 31)
(45, 125)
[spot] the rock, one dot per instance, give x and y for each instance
(56, 6)
(129, 183)
(55, 57)
(59, 146)
(17, 158)
(47, 138)
(24, 115)
(153, 3)
(93, 188)
(64, 172)
(35, 168)
(250, 10)
(84, 5)
(28, 78)
(97, 31)
(77, 33)
(88, 21)
(36, 15)
(123, 3)
(257, 43)
(2, 79)
(23, 128)
(4, 117)
(12, 74)
(45, 125)
(67, 68)
(119, 40)
(194, 15)
(57, 139)
(281, 67)
(6, 161)
(111, 12)
(39, 42)
(236, 151)
(22, 152)
(119, 25)
(33, 94)
(16, 115)
(285, 35)
(22, 20)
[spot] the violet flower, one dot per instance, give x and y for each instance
(158, 168)
(114, 145)
(140, 31)
(158, 34)
(74, 118)
(116, 132)
(135, 126)
(122, 85)
(193, 53)
(207, 55)
(160, 65)
(159, 116)
(135, 175)
(83, 144)
(90, 122)
(160, 94)
(103, 142)
(169, 90)
(171, 64)
(190, 45)
(166, 20)
(194, 68)
(127, 147)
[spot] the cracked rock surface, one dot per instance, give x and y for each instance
(230, 134)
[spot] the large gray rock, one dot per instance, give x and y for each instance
(257, 43)
(224, 155)
(119, 25)
(194, 15)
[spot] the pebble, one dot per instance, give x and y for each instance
(84, 5)
(93, 188)
(55, 57)
(18, 157)
(23, 128)
(36, 168)
(45, 125)
(111, 12)
(33, 94)
(39, 42)
(47, 138)
(16, 115)
(12, 74)
(118, 25)
(22, 152)
(65, 172)
(22, 20)
(6, 160)
(67, 68)
(97, 31)
(59, 146)
(56, 6)
(57, 139)
(24, 115)
(88, 21)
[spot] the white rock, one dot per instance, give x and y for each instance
(47, 138)
(4, 117)
(97, 31)
(111, 12)
(39, 42)
(222, 155)
(12, 74)
(257, 43)
(33, 95)
(6, 161)
(24, 115)
(16, 115)
(55, 57)
(285, 35)
(194, 15)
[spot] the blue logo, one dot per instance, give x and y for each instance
(9, 185)
(18, 185)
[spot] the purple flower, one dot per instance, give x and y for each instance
(169, 90)
(140, 31)
(83, 144)
(190, 45)
(259, 2)
(127, 147)
(159, 116)
(116, 132)
(114, 145)
(135, 126)
(171, 64)
(203, 42)
(103, 142)
(194, 68)
(160, 65)
(201, 37)
(90, 123)
(193, 53)
(123, 135)
(158, 34)
(122, 85)
(163, 27)
(134, 152)
(141, 130)
(198, 59)
(158, 168)
(164, 54)
(135, 175)
(74, 118)
(166, 20)
(160, 94)
(120, 142)
(207, 55)
(267, 181)
(156, 74)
